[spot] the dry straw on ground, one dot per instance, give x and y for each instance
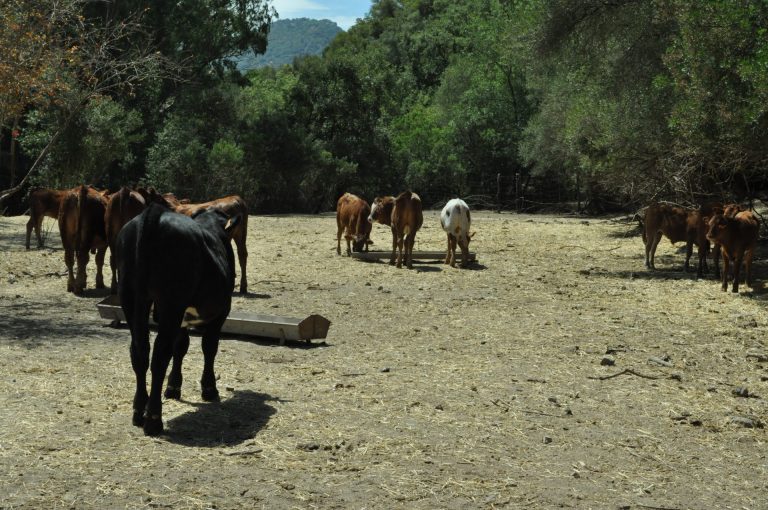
(437, 388)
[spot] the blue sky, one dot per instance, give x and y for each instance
(343, 12)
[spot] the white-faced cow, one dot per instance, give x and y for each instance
(352, 221)
(185, 267)
(404, 215)
(455, 220)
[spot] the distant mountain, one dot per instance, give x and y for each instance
(291, 38)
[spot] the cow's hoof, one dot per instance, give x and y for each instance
(153, 426)
(210, 395)
(173, 392)
(138, 419)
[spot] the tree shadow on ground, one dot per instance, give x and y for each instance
(30, 325)
(230, 422)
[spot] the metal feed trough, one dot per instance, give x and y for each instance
(247, 324)
(430, 256)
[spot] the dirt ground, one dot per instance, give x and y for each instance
(488, 387)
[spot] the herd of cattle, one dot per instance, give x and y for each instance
(729, 230)
(174, 259)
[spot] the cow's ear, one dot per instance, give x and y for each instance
(472, 234)
(232, 223)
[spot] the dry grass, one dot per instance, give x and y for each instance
(436, 388)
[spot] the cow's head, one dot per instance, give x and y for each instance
(718, 227)
(463, 241)
(381, 210)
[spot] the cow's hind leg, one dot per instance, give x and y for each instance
(394, 247)
(100, 255)
(654, 244)
(210, 345)
(400, 248)
(81, 277)
(180, 348)
(30, 225)
(137, 316)
(410, 240)
(168, 331)
(748, 267)
(69, 261)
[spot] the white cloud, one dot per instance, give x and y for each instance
(344, 21)
(297, 8)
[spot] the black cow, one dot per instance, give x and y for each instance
(186, 267)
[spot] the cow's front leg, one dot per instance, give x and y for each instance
(180, 348)
(737, 271)
(726, 270)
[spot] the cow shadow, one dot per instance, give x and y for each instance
(230, 422)
(251, 295)
(94, 293)
(423, 268)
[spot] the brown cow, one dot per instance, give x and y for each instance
(121, 208)
(43, 202)
(711, 209)
(232, 206)
(81, 225)
(677, 224)
(403, 214)
(737, 237)
(352, 220)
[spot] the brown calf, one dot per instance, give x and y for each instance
(677, 224)
(737, 237)
(352, 220)
(43, 202)
(121, 208)
(81, 225)
(403, 214)
(232, 206)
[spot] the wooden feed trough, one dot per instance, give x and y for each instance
(428, 256)
(247, 324)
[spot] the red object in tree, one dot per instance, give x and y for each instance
(15, 133)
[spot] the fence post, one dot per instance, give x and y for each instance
(517, 191)
(498, 193)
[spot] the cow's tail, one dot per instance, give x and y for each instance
(360, 228)
(82, 197)
(140, 282)
(640, 220)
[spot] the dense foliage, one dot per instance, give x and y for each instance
(611, 103)
(288, 39)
